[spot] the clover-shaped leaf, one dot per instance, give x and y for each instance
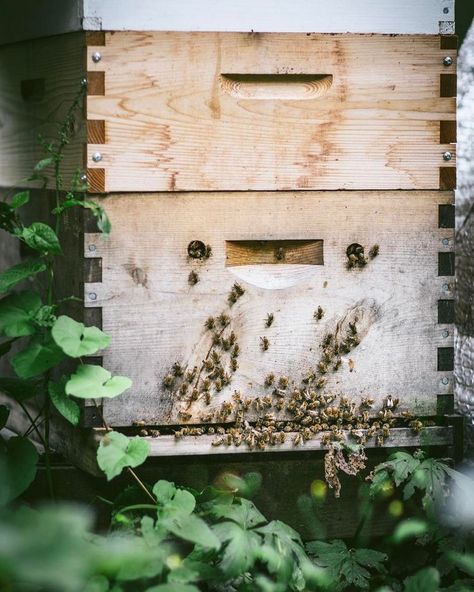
(117, 451)
(76, 340)
(89, 382)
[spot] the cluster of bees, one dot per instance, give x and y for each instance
(356, 257)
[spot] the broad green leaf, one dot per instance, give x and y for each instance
(173, 587)
(20, 199)
(40, 355)
(4, 413)
(68, 408)
(163, 491)
(183, 503)
(244, 513)
(409, 529)
(90, 382)
(426, 580)
(183, 575)
(77, 340)
(16, 274)
(116, 452)
(43, 164)
(17, 312)
(19, 389)
(239, 552)
(42, 238)
(465, 562)
(191, 528)
(18, 464)
(370, 558)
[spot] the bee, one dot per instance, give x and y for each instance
(179, 434)
(194, 395)
(235, 351)
(168, 381)
(207, 397)
(155, 433)
(232, 338)
(374, 251)
(280, 254)
(327, 340)
(210, 323)
(226, 379)
(190, 375)
(238, 289)
(225, 344)
(206, 384)
(379, 441)
(337, 364)
(220, 430)
(216, 340)
(183, 389)
(318, 313)
(386, 430)
(143, 433)
(353, 328)
(208, 252)
(269, 379)
(367, 403)
(237, 397)
(138, 422)
(211, 431)
(226, 408)
(326, 439)
(177, 369)
(279, 404)
(269, 320)
(234, 365)
(217, 442)
(264, 343)
(309, 378)
(267, 402)
(207, 417)
(208, 365)
(223, 319)
(246, 404)
(216, 358)
(322, 367)
(218, 384)
(283, 382)
(297, 439)
(320, 383)
(193, 278)
(257, 403)
(406, 415)
(237, 439)
(416, 425)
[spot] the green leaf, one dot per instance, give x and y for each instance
(17, 312)
(191, 528)
(116, 452)
(243, 513)
(90, 382)
(20, 199)
(18, 464)
(18, 389)
(16, 274)
(43, 164)
(68, 408)
(6, 346)
(409, 529)
(40, 355)
(163, 491)
(239, 553)
(463, 561)
(103, 222)
(173, 587)
(370, 558)
(42, 238)
(77, 340)
(4, 413)
(426, 580)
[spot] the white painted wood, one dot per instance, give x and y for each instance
(30, 19)
(337, 16)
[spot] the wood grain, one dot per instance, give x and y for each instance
(156, 318)
(210, 111)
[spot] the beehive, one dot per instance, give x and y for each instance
(265, 160)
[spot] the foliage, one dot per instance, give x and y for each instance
(46, 341)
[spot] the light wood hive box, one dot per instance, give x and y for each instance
(263, 160)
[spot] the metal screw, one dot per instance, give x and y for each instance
(448, 61)
(445, 380)
(96, 56)
(445, 10)
(83, 178)
(445, 241)
(97, 157)
(447, 156)
(92, 296)
(84, 82)
(92, 247)
(446, 287)
(445, 333)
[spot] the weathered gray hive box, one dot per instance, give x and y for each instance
(315, 170)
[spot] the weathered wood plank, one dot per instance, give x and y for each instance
(156, 318)
(209, 111)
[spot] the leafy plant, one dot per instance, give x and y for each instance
(43, 338)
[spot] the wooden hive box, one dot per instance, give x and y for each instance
(312, 170)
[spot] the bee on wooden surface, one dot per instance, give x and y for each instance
(208, 252)
(208, 365)
(322, 367)
(206, 384)
(264, 343)
(234, 365)
(183, 389)
(235, 351)
(168, 381)
(193, 278)
(391, 403)
(178, 434)
(267, 402)
(225, 344)
(269, 379)
(385, 430)
(155, 433)
(337, 364)
(318, 313)
(207, 397)
(269, 320)
(353, 328)
(326, 439)
(406, 414)
(210, 323)
(257, 403)
(320, 383)
(309, 378)
(327, 340)
(190, 375)
(416, 425)
(218, 385)
(215, 357)
(139, 422)
(237, 397)
(283, 382)
(206, 417)
(232, 338)
(211, 430)
(216, 340)
(237, 439)
(143, 433)
(184, 415)
(279, 404)
(297, 439)
(328, 355)
(236, 292)
(374, 251)
(246, 404)
(194, 395)
(223, 319)
(367, 403)
(217, 442)
(226, 379)
(177, 369)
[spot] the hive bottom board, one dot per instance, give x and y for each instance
(172, 261)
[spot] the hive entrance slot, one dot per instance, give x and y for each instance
(276, 252)
(276, 86)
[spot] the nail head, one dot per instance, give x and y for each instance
(447, 156)
(445, 380)
(445, 241)
(445, 10)
(448, 61)
(96, 56)
(97, 157)
(92, 296)
(445, 333)
(92, 247)
(446, 287)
